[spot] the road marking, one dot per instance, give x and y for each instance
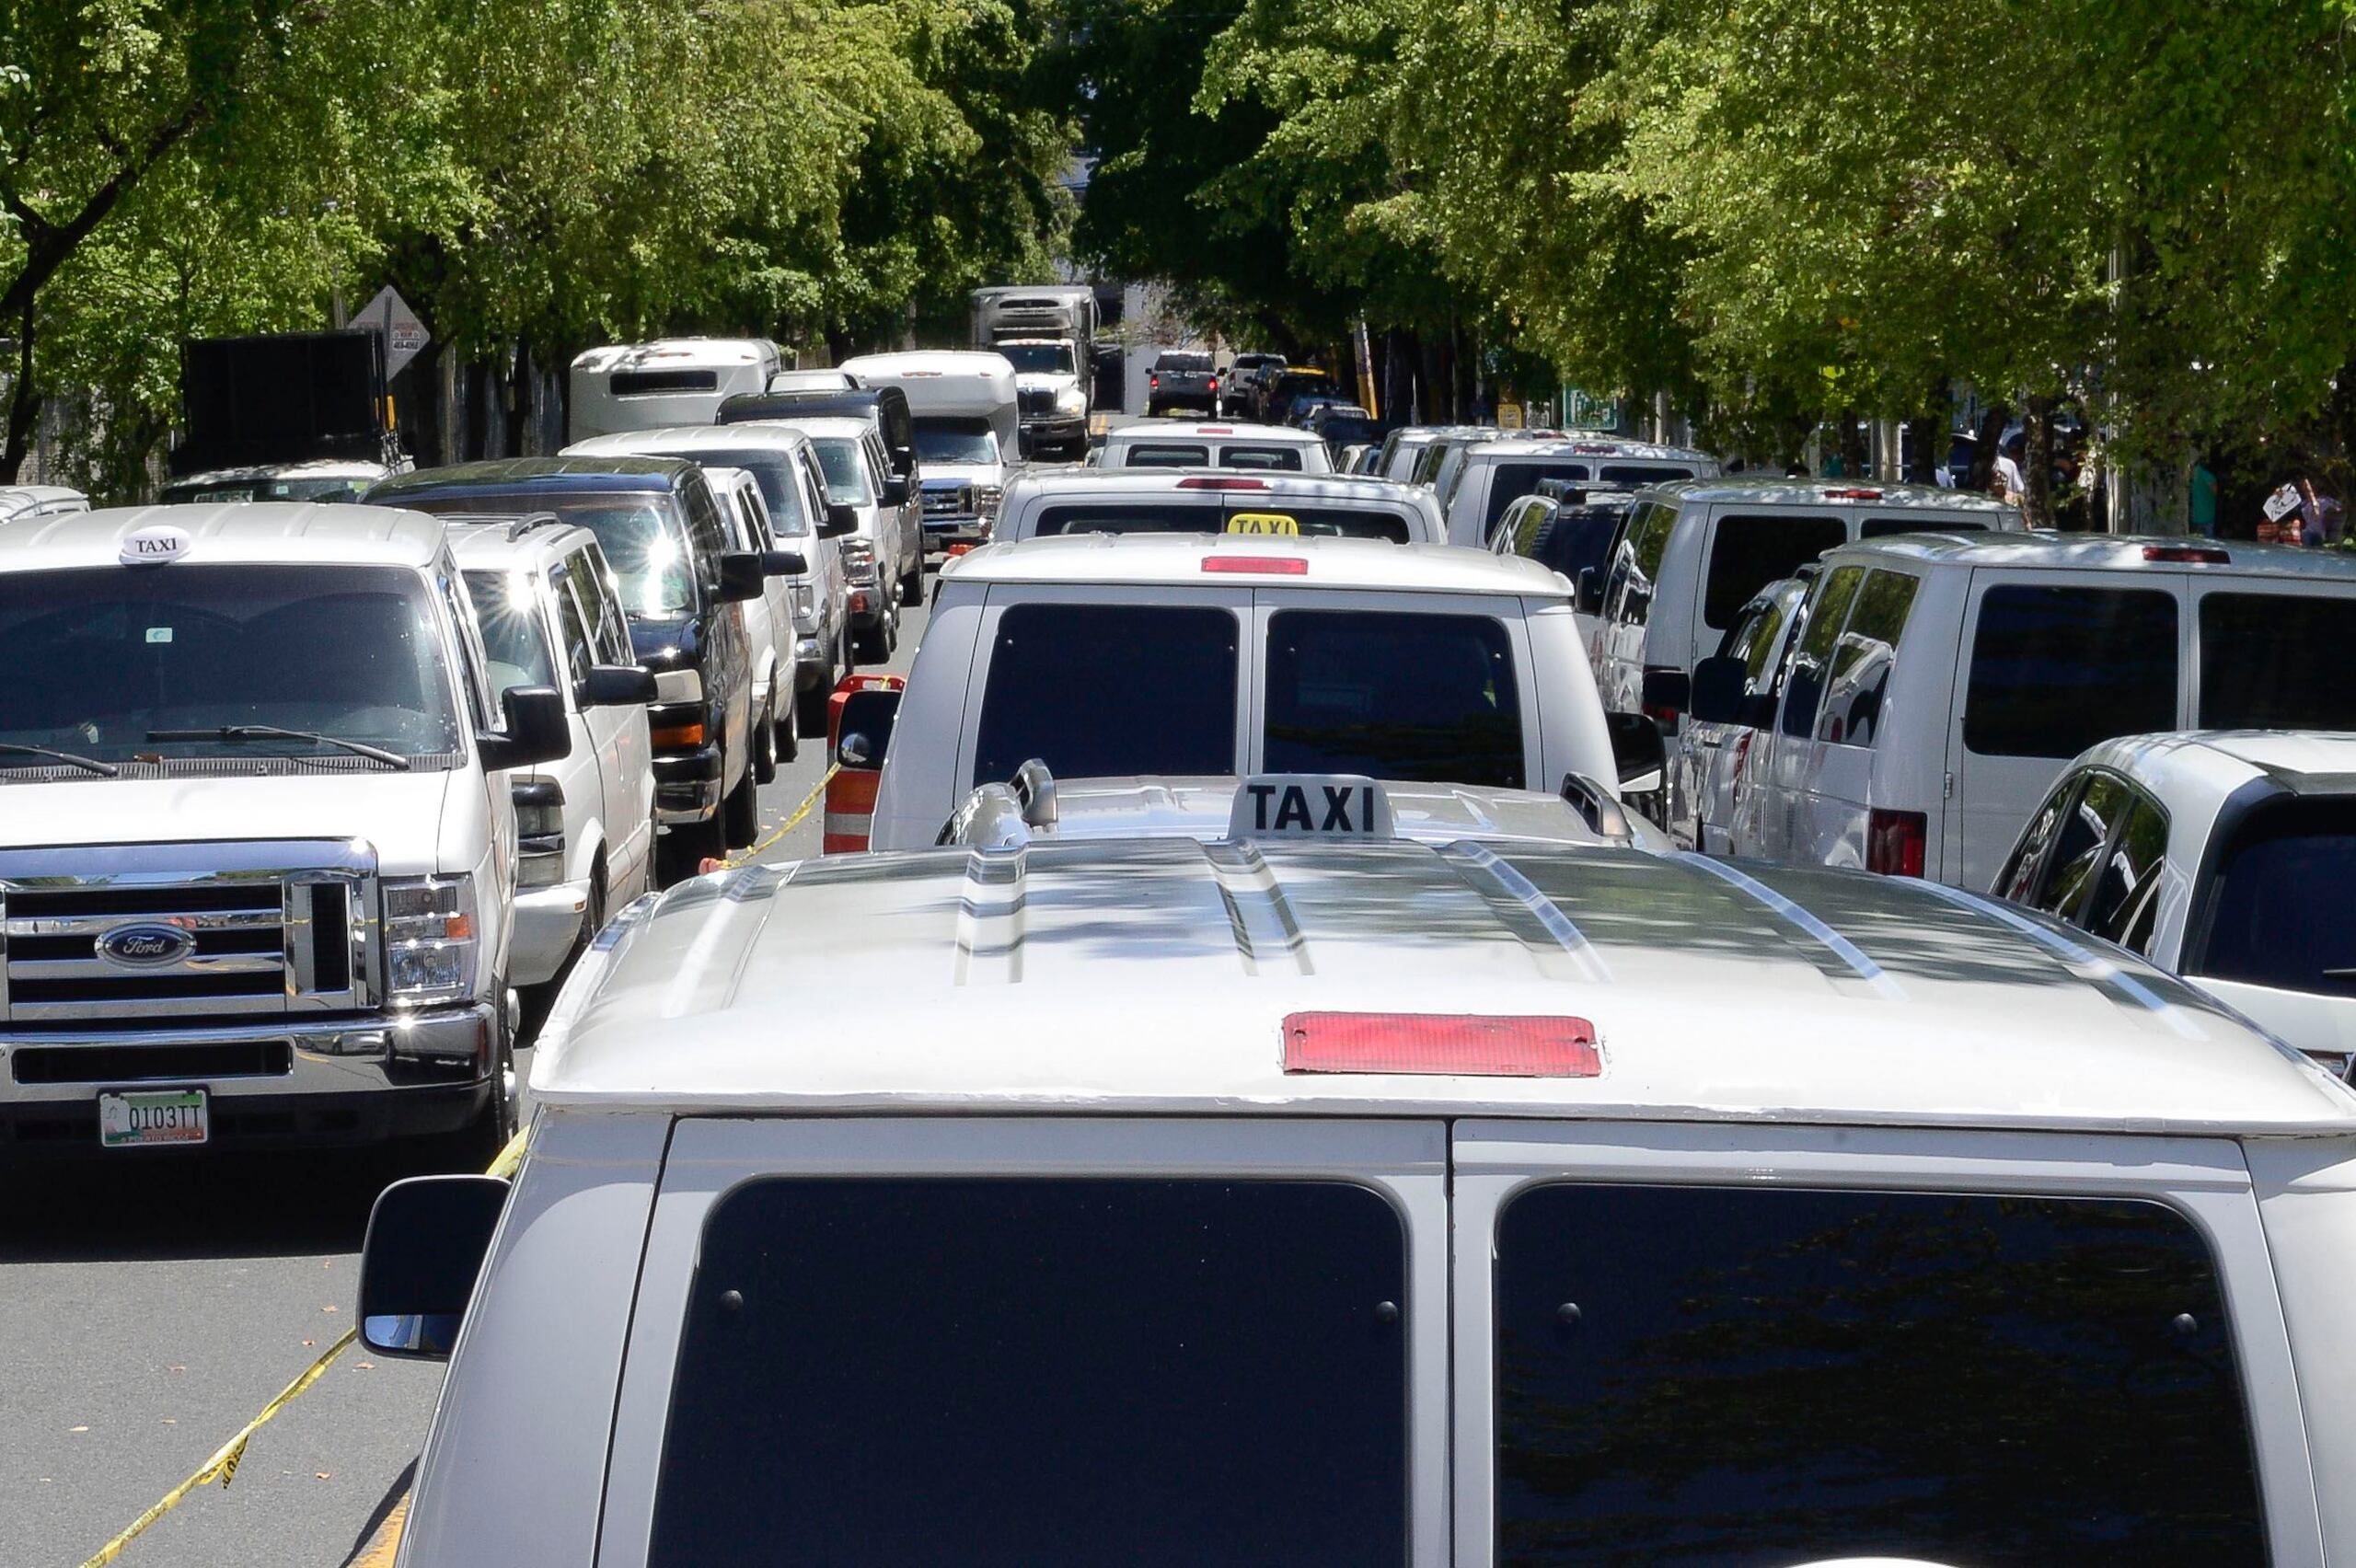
(385, 1544)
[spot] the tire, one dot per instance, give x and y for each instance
(683, 848)
(912, 584)
(809, 709)
(472, 1148)
(763, 741)
(869, 646)
(740, 813)
(785, 736)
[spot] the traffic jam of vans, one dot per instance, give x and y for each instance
(1501, 996)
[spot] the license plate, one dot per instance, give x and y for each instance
(150, 1118)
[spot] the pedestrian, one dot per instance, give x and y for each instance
(2319, 514)
(2202, 515)
(2005, 481)
(2281, 522)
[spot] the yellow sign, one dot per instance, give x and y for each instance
(1262, 522)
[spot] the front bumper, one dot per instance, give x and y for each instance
(687, 786)
(867, 605)
(547, 928)
(283, 1081)
(1057, 430)
(810, 664)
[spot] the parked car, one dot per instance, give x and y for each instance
(768, 622)
(1248, 375)
(1257, 448)
(323, 479)
(551, 616)
(1492, 473)
(2227, 856)
(1937, 687)
(1182, 379)
(683, 591)
(801, 519)
(23, 503)
(853, 463)
(1566, 527)
(1149, 501)
(1276, 401)
(1709, 767)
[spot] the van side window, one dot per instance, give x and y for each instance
(1824, 615)
(2077, 855)
(1740, 1388)
(1638, 563)
(1427, 697)
(609, 626)
(572, 629)
(2276, 661)
(2017, 880)
(705, 528)
(2055, 670)
(1508, 482)
(1106, 690)
(1863, 658)
(1748, 553)
(2126, 905)
(487, 714)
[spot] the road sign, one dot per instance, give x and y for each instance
(405, 336)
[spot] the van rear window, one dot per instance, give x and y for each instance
(2276, 661)
(1141, 454)
(2283, 903)
(1749, 553)
(2055, 670)
(1055, 1373)
(653, 382)
(1508, 482)
(1697, 1374)
(1211, 517)
(1425, 697)
(1109, 690)
(1262, 459)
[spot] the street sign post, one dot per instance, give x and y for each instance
(405, 336)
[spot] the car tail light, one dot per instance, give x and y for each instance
(1441, 1043)
(1853, 495)
(1214, 382)
(1280, 565)
(1154, 381)
(1895, 842)
(1216, 430)
(1220, 483)
(2188, 555)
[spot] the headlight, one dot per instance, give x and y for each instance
(1069, 402)
(539, 832)
(431, 938)
(805, 603)
(986, 499)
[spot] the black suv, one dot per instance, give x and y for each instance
(682, 586)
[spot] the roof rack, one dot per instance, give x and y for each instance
(524, 525)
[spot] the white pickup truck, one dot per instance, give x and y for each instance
(258, 857)
(1175, 655)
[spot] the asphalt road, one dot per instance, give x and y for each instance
(149, 1309)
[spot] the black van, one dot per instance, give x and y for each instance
(663, 534)
(887, 406)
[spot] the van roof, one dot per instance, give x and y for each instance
(304, 530)
(1074, 480)
(576, 475)
(1174, 559)
(496, 542)
(680, 351)
(671, 439)
(1510, 444)
(1755, 489)
(2111, 552)
(929, 362)
(1157, 975)
(1200, 430)
(2204, 766)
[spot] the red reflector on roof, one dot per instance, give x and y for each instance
(1594, 449)
(1853, 495)
(2188, 555)
(1215, 430)
(1281, 566)
(1441, 1043)
(1216, 482)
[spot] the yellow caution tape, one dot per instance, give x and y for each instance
(223, 1466)
(744, 856)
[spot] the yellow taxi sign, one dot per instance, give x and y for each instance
(1262, 522)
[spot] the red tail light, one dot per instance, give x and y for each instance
(1215, 430)
(1895, 842)
(1278, 565)
(1214, 382)
(1441, 1043)
(1218, 482)
(2188, 555)
(1853, 495)
(1153, 381)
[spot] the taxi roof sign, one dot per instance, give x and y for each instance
(1310, 805)
(154, 544)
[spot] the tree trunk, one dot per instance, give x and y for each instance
(519, 398)
(1851, 446)
(1931, 427)
(24, 403)
(2037, 460)
(1993, 420)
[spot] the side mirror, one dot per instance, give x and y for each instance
(783, 564)
(617, 685)
(1668, 690)
(1758, 711)
(741, 577)
(539, 730)
(678, 686)
(1717, 689)
(904, 461)
(840, 519)
(866, 729)
(895, 493)
(1636, 751)
(1590, 591)
(427, 1240)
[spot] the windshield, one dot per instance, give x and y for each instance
(773, 470)
(2284, 903)
(1039, 359)
(507, 606)
(643, 537)
(315, 488)
(99, 657)
(845, 475)
(942, 439)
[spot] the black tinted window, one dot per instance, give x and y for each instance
(1044, 1373)
(2126, 907)
(1759, 1378)
(774, 471)
(1212, 517)
(2055, 670)
(1863, 658)
(1749, 553)
(1508, 482)
(1827, 609)
(1142, 455)
(2276, 661)
(1572, 539)
(2282, 910)
(1425, 697)
(1264, 459)
(1102, 690)
(2017, 880)
(2078, 850)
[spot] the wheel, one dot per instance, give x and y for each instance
(869, 646)
(763, 745)
(810, 708)
(472, 1148)
(740, 813)
(687, 845)
(912, 583)
(785, 737)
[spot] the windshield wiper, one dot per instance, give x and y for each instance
(91, 764)
(272, 733)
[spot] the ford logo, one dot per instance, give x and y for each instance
(146, 947)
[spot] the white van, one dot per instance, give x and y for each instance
(1938, 687)
(968, 434)
(1492, 475)
(1165, 443)
(2227, 856)
(1110, 655)
(551, 616)
(1388, 1204)
(671, 381)
(258, 843)
(1158, 501)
